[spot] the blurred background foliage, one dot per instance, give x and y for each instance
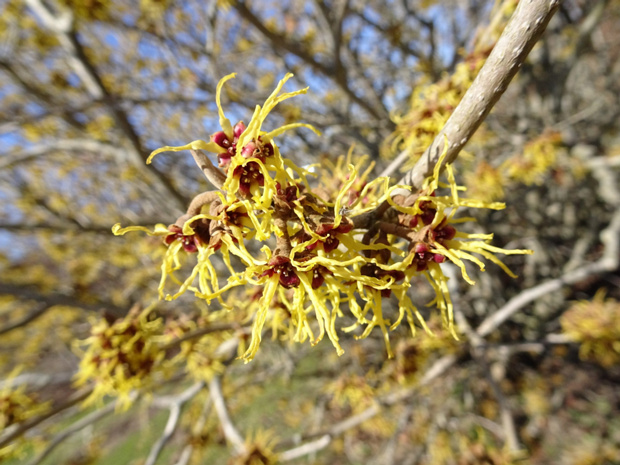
(89, 88)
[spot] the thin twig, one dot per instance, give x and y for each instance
(608, 262)
(305, 449)
(213, 328)
(72, 429)
(8, 160)
(389, 452)
(174, 403)
(38, 380)
(31, 423)
(230, 432)
(31, 316)
(63, 25)
(186, 454)
(508, 424)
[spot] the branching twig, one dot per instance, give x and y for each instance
(53, 298)
(38, 380)
(62, 145)
(186, 454)
(62, 25)
(31, 316)
(281, 42)
(608, 262)
(174, 403)
(31, 423)
(74, 428)
(230, 432)
(213, 328)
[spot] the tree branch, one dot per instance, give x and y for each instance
(174, 403)
(31, 316)
(62, 145)
(230, 432)
(281, 42)
(63, 25)
(72, 429)
(212, 173)
(26, 292)
(522, 32)
(12, 434)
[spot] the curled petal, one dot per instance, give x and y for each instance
(159, 230)
(224, 122)
(196, 145)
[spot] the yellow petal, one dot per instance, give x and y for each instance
(224, 122)
(195, 145)
(159, 230)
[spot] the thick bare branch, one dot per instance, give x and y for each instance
(522, 32)
(212, 173)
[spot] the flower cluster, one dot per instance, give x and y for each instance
(121, 355)
(315, 255)
(16, 405)
(596, 325)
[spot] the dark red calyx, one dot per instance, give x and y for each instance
(428, 216)
(248, 174)
(444, 233)
(283, 267)
(268, 149)
(318, 276)
(330, 243)
(234, 217)
(287, 194)
(344, 227)
(190, 242)
(428, 211)
(221, 139)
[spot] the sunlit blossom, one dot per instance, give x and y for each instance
(297, 243)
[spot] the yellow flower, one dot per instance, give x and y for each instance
(539, 155)
(120, 355)
(313, 268)
(15, 404)
(258, 450)
(596, 325)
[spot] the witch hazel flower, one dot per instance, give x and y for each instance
(318, 260)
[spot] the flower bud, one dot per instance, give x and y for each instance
(249, 149)
(420, 248)
(221, 139)
(238, 129)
